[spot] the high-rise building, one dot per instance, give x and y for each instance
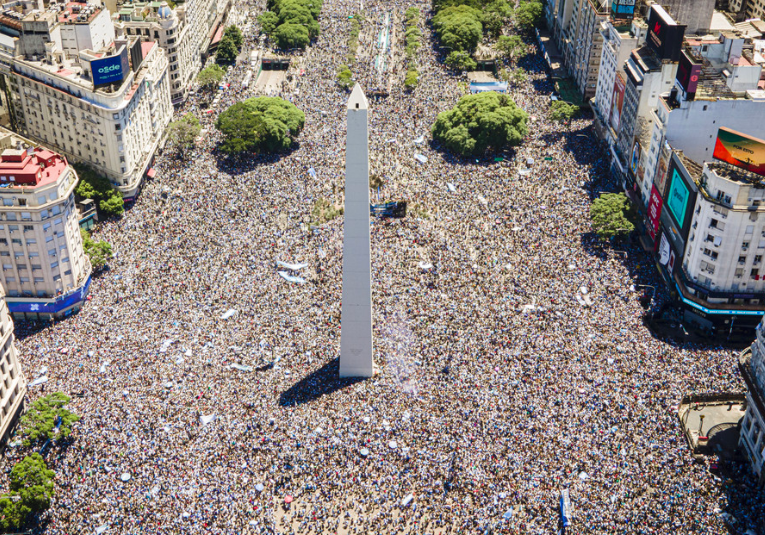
(179, 31)
(88, 96)
(45, 270)
(13, 385)
(752, 436)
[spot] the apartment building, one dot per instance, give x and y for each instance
(13, 385)
(106, 106)
(45, 270)
(752, 436)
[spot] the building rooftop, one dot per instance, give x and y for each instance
(32, 167)
(78, 13)
(735, 174)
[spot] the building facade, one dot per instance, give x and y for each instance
(752, 437)
(152, 21)
(106, 107)
(45, 270)
(13, 387)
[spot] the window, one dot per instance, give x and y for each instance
(758, 259)
(44, 214)
(46, 227)
(41, 199)
(11, 216)
(36, 267)
(713, 223)
(750, 229)
(755, 274)
(744, 245)
(54, 265)
(7, 202)
(39, 280)
(739, 272)
(33, 255)
(52, 252)
(55, 210)
(57, 221)
(742, 260)
(13, 228)
(709, 238)
(28, 228)
(23, 280)
(5, 253)
(7, 266)
(16, 241)
(22, 202)
(31, 241)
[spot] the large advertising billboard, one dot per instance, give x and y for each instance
(635, 160)
(688, 72)
(738, 149)
(681, 197)
(654, 212)
(110, 70)
(623, 9)
(665, 36)
(617, 101)
(660, 178)
(677, 198)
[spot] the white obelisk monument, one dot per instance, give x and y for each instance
(356, 318)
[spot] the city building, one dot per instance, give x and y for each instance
(575, 26)
(13, 387)
(179, 32)
(650, 71)
(717, 84)
(620, 37)
(752, 436)
(91, 97)
(45, 270)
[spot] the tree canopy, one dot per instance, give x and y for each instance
(97, 187)
(268, 22)
(291, 36)
(211, 76)
(99, 253)
(31, 490)
(292, 23)
(563, 111)
(344, 77)
(481, 122)
(528, 14)
(39, 422)
(612, 215)
(227, 51)
(461, 61)
(235, 34)
(184, 131)
(266, 124)
(459, 27)
(510, 46)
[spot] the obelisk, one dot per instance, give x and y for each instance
(356, 315)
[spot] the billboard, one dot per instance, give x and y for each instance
(635, 160)
(110, 70)
(136, 55)
(740, 150)
(621, 9)
(660, 178)
(617, 101)
(665, 36)
(653, 217)
(688, 72)
(677, 198)
(680, 198)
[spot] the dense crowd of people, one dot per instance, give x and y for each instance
(207, 383)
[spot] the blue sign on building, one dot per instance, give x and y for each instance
(53, 306)
(110, 70)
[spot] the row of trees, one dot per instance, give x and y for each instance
(230, 45)
(413, 37)
(291, 23)
(259, 124)
(344, 74)
(31, 487)
(97, 187)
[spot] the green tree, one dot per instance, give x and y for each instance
(260, 123)
(291, 36)
(227, 51)
(184, 131)
(99, 253)
(33, 482)
(12, 513)
(344, 77)
(612, 215)
(518, 76)
(412, 77)
(97, 187)
(461, 61)
(459, 27)
(268, 22)
(494, 16)
(39, 422)
(528, 14)
(563, 111)
(236, 36)
(481, 122)
(210, 77)
(510, 47)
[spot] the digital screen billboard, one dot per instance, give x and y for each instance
(654, 212)
(665, 36)
(623, 8)
(618, 101)
(635, 160)
(110, 70)
(738, 149)
(688, 72)
(677, 198)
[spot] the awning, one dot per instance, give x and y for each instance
(150, 173)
